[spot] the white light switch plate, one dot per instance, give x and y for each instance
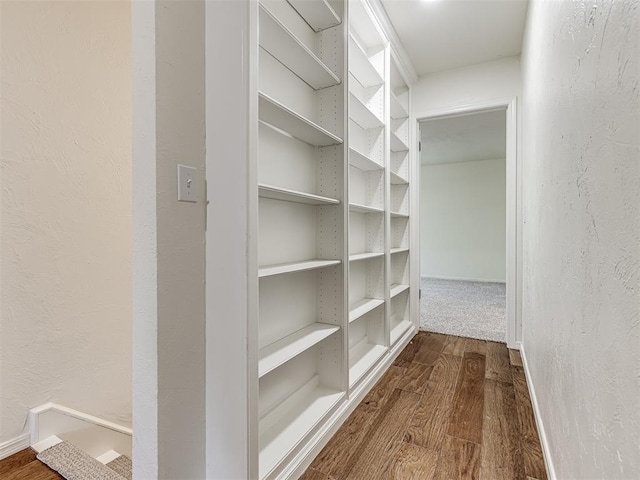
(187, 184)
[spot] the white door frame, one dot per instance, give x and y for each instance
(514, 204)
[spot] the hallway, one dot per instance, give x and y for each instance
(448, 408)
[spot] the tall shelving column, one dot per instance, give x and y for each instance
(367, 133)
(301, 234)
(399, 177)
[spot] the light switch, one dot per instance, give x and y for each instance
(187, 184)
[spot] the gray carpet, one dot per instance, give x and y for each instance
(465, 309)
(74, 464)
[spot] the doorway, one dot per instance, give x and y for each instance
(468, 263)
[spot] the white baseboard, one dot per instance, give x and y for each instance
(14, 445)
(92, 434)
(303, 459)
(465, 279)
(544, 440)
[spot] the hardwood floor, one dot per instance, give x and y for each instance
(24, 466)
(448, 408)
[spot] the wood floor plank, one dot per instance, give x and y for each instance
(473, 345)
(453, 345)
(466, 417)
(429, 423)
(515, 357)
(312, 474)
(412, 462)
(459, 460)
(414, 378)
(342, 449)
(383, 442)
(379, 394)
(498, 364)
(530, 440)
(17, 460)
(409, 352)
(501, 454)
(35, 470)
(429, 349)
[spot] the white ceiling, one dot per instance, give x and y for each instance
(465, 138)
(443, 34)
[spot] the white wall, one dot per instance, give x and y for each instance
(463, 86)
(581, 74)
(65, 325)
(462, 220)
(169, 297)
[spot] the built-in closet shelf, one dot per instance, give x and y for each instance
(361, 67)
(397, 144)
(283, 118)
(362, 115)
(365, 256)
(276, 39)
(399, 330)
(397, 109)
(363, 307)
(399, 215)
(292, 420)
(318, 14)
(269, 270)
(362, 357)
(355, 207)
(397, 289)
(277, 193)
(397, 179)
(399, 250)
(363, 162)
(280, 352)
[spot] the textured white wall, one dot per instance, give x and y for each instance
(582, 232)
(463, 86)
(65, 326)
(462, 220)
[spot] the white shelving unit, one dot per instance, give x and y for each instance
(332, 237)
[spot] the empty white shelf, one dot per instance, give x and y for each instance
(276, 39)
(318, 14)
(355, 207)
(361, 114)
(274, 355)
(276, 114)
(363, 162)
(397, 289)
(287, 195)
(269, 270)
(361, 67)
(362, 357)
(397, 109)
(399, 250)
(397, 179)
(363, 307)
(365, 256)
(399, 215)
(397, 144)
(399, 330)
(292, 420)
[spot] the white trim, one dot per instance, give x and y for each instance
(46, 444)
(65, 413)
(464, 279)
(14, 445)
(299, 464)
(397, 50)
(544, 439)
(108, 457)
(514, 207)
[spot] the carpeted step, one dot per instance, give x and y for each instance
(74, 464)
(123, 466)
